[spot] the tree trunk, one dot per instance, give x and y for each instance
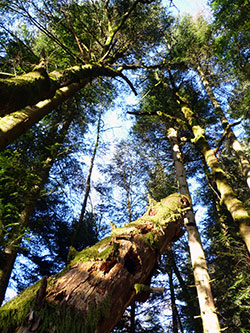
(13, 124)
(87, 190)
(29, 89)
(16, 123)
(235, 144)
(188, 297)
(132, 318)
(202, 280)
(173, 304)
(91, 294)
(228, 198)
(13, 243)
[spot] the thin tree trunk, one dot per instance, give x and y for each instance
(132, 318)
(188, 297)
(235, 144)
(11, 250)
(202, 280)
(228, 198)
(92, 293)
(87, 190)
(173, 304)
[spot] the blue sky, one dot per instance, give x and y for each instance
(192, 7)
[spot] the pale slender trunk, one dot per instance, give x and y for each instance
(234, 142)
(202, 280)
(101, 281)
(11, 250)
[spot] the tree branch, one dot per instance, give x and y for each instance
(227, 129)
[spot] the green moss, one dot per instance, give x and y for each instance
(13, 313)
(151, 239)
(62, 318)
(58, 317)
(101, 250)
(95, 315)
(199, 133)
(168, 210)
(141, 288)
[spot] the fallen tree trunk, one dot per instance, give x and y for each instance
(91, 294)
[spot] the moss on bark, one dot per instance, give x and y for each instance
(83, 297)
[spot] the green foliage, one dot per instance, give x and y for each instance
(231, 18)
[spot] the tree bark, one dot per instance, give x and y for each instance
(235, 144)
(13, 243)
(228, 198)
(202, 280)
(18, 122)
(91, 294)
(13, 124)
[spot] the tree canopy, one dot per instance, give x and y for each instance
(73, 196)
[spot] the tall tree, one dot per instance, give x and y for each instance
(193, 43)
(199, 264)
(228, 198)
(200, 269)
(107, 53)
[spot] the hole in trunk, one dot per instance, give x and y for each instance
(131, 262)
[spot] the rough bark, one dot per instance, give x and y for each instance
(235, 207)
(13, 243)
(91, 294)
(234, 142)
(202, 280)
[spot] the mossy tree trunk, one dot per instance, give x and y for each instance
(228, 198)
(201, 277)
(91, 294)
(12, 243)
(16, 121)
(234, 142)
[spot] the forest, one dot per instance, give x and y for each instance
(138, 227)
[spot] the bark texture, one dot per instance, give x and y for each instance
(235, 144)
(91, 294)
(201, 277)
(235, 207)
